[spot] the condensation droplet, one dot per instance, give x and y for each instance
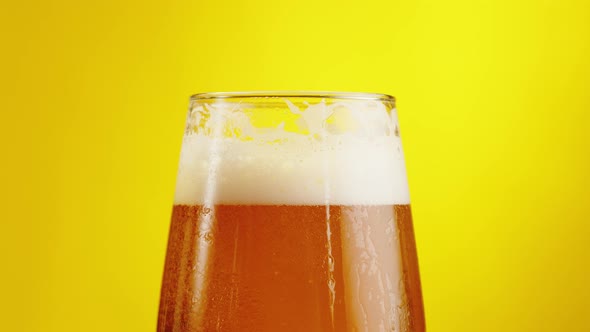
(208, 236)
(330, 262)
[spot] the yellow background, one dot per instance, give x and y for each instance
(494, 101)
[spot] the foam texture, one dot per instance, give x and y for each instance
(297, 170)
(226, 171)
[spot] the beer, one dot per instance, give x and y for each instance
(306, 234)
(291, 268)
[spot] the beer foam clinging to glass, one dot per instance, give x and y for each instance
(341, 153)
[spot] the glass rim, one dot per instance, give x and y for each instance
(294, 94)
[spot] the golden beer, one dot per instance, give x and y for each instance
(308, 230)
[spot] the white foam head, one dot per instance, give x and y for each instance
(325, 165)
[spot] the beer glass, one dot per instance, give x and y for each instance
(291, 213)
